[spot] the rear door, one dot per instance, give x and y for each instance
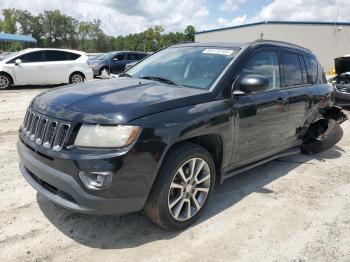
(31, 71)
(261, 117)
(300, 74)
(58, 65)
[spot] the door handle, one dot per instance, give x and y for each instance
(282, 104)
(282, 100)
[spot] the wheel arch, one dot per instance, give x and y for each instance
(211, 142)
(9, 75)
(77, 72)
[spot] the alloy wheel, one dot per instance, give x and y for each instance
(189, 189)
(4, 82)
(77, 79)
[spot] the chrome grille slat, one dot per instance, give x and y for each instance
(25, 121)
(60, 137)
(34, 127)
(50, 134)
(29, 124)
(45, 131)
(41, 131)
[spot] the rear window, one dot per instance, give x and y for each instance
(311, 66)
(53, 55)
(292, 70)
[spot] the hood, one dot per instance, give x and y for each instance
(95, 61)
(115, 101)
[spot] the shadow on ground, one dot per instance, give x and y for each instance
(117, 232)
(28, 87)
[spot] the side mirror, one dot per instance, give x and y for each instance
(115, 59)
(18, 62)
(253, 83)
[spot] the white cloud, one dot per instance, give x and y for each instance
(124, 16)
(305, 10)
(230, 5)
(223, 22)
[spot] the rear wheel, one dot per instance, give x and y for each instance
(76, 78)
(182, 188)
(328, 138)
(5, 81)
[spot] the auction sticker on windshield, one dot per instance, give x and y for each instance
(218, 51)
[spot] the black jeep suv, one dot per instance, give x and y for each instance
(160, 136)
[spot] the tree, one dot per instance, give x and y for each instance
(189, 32)
(55, 29)
(9, 23)
(84, 33)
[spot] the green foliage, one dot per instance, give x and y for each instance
(54, 29)
(9, 23)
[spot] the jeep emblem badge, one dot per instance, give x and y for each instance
(42, 106)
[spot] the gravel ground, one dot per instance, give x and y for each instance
(292, 209)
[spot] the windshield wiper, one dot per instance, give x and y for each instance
(125, 74)
(160, 79)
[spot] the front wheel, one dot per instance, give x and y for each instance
(5, 81)
(182, 188)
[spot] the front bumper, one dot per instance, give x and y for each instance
(96, 71)
(342, 98)
(64, 190)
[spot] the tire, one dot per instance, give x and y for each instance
(329, 138)
(5, 81)
(76, 78)
(163, 194)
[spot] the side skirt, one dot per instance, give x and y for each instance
(288, 152)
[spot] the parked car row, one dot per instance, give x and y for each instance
(44, 66)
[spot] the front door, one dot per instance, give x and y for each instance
(31, 70)
(118, 63)
(260, 117)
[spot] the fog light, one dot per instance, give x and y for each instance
(96, 179)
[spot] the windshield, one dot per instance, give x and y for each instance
(106, 56)
(186, 66)
(8, 55)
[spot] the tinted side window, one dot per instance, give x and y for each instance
(264, 63)
(311, 66)
(292, 69)
(60, 56)
(72, 56)
(120, 57)
(32, 57)
(132, 56)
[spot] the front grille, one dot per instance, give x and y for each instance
(343, 88)
(45, 131)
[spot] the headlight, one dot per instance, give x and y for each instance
(106, 136)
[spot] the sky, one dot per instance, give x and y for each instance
(121, 17)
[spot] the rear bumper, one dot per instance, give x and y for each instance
(64, 190)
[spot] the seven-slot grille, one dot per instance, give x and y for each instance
(45, 131)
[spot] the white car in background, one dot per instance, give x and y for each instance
(44, 66)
